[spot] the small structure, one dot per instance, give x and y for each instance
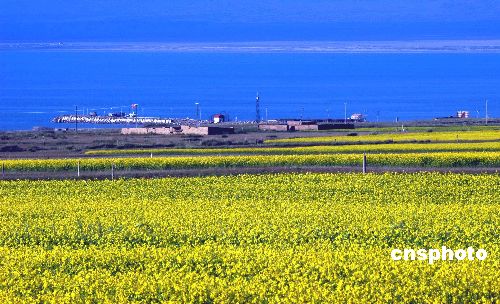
(462, 114)
(165, 131)
(188, 130)
(218, 118)
(116, 114)
(301, 122)
(295, 125)
(306, 127)
(357, 117)
(206, 130)
(133, 110)
(322, 127)
(274, 127)
(342, 126)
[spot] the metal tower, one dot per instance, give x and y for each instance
(257, 108)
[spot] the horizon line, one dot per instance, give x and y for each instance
(277, 46)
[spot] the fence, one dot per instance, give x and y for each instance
(72, 168)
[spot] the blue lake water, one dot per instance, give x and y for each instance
(37, 85)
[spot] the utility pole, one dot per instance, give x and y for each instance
(364, 163)
(257, 108)
(197, 110)
(345, 112)
(76, 118)
(486, 118)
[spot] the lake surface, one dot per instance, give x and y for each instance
(38, 85)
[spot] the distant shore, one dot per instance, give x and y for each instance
(410, 46)
(65, 142)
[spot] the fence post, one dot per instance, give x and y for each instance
(78, 169)
(364, 162)
(151, 154)
(112, 171)
(3, 170)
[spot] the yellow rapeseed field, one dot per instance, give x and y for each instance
(461, 136)
(431, 159)
(378, 148)
(295, 238)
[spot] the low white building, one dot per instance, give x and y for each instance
(218, 118)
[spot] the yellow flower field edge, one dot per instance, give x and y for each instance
(438, 159)
(378, 148)
(298, 238)
(466, 128)
(490, 135)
